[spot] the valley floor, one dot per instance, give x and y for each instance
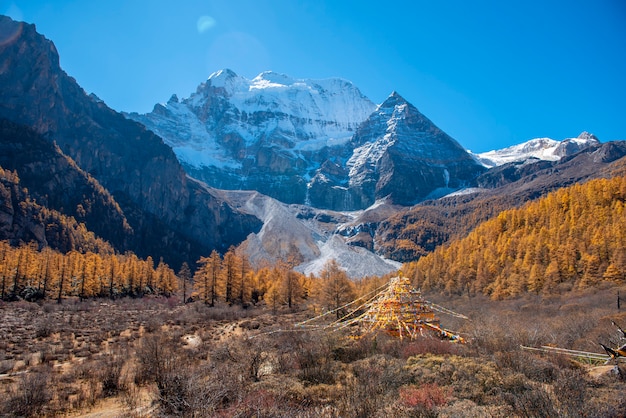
(154, 357)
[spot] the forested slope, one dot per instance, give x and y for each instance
(572, 238)
(417, 231)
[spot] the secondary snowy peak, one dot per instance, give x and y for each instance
(540, 148)
(226, 80)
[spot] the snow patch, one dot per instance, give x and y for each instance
(356, 261)
(541, 148)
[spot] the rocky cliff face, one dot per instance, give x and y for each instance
(55, 182)
(168, 214)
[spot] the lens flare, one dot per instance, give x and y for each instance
(10, 32)
(205, 23)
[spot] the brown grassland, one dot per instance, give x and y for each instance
(154, 357)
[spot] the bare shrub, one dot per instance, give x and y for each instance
(571, 393)
(44, 327)
(31, 396)
(205, 391)
(534, 402)
(265, 403)
(353, 350)
(153, 324)
(428, 345)
(314, 359)
(131, 398)
(110, 373)
(471, 378)
(176, 387)
(373, 383)
(6, 366)
(426, 396)
(92, 392)
(156, 356)
(468, 409)
(533, 367)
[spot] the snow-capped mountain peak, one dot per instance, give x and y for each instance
(271, 79)
(540, 148)
(226, 80)
(319, 142)
(268, 133)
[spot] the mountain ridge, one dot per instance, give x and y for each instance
(540, 148)
(303, 141)
(170, 217)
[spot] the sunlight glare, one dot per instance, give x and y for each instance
(205, 23)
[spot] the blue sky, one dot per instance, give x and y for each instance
(489, 73)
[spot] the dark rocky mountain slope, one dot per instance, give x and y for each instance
(55, 182)
(171, 216)
(397, 153)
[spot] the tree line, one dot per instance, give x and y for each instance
(32, 274)
(231, 279)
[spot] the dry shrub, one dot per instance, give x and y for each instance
(200, 313)
(131, 398)
(187, 387)
(353, 350)
(6, 366)
(470, 378)
(175, 389)
(314, 358)
(428, 345)
(31, 395)
(110, 373)
(534, 402)
(571, 393)
(205, 391)
(493, 337)
(428, 396)
(373, 384)
(468, 409)
(533, 367)
(153, 324)
(44, 327)
(156, 355)
(264, 403)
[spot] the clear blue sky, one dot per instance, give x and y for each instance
(490, 74)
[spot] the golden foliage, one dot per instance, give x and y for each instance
(572, 238)
(29, 273)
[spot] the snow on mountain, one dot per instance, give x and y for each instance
(540, 148)
(229, 114)
(356, 261)
(397, 152)
(305, 141)
(311, 236)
